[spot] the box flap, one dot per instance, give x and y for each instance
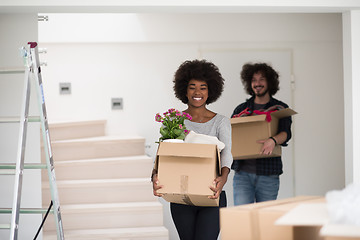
(247, 119)
(256, 118)
(196, 150)
(283, 113)
(187, 149)
(305, 214)
(340, 230)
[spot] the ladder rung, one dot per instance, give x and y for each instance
(17, 119)
(4, 226)
(10, 166)
(7, 171)
(26, 210)
(12, 70)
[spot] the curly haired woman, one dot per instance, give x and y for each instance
(198, 83)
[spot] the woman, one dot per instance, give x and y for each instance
(198, 83)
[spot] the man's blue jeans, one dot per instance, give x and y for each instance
(250, 188)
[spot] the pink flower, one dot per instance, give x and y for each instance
(173, 126)
(158, 117)
(186, 115)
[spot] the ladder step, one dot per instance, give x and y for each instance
(7, 171)
(26, 210)
(9, 166)
(4, 226)
(12, 70)
(17, 119)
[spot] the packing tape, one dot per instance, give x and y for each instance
(184, 184)
(186, 199)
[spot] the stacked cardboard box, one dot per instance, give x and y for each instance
(257, 221)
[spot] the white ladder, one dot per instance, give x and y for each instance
(32, 72)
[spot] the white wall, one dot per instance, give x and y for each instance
(135, 56)
(351, 36)
(16, 30)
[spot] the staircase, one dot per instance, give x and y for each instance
(104, 185)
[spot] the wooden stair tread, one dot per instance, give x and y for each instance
(111, 207)
(62, 124)
(113, 233)
(101, 139)
(97, 182)
(102, 160)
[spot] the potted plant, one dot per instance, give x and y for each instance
(173, 126)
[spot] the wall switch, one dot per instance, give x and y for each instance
(65, 88)
(117, 103)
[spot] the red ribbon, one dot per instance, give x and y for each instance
(249, 113)
(268, 116)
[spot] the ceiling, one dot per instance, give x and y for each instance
(178, 6)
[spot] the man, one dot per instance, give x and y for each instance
(257, 180)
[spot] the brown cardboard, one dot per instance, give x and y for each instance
(270, 231)
(249, 222)
(186, 171)
(247, 130)
(310, 220)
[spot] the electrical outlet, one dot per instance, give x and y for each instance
(117, 104)
(65, 88)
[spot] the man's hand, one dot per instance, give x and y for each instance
(268, 146)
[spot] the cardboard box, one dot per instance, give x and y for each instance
(333, 231)
(256, 221)
(311, 220)
(186, 171)
(247, 130)
(296, 232)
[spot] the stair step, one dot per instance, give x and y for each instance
(139, 233)
(75, 130)
(114, 215)
(104, 168)
(98, 147)
(102, 191)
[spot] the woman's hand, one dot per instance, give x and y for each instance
(156, 185)
(219, 183)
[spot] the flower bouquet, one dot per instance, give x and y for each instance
(172, 124)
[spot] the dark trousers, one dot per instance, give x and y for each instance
(197, 223)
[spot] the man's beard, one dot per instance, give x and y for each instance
(261, 94)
